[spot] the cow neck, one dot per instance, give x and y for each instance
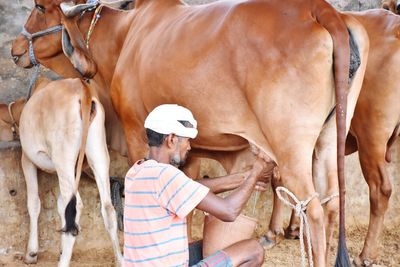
(107, 39)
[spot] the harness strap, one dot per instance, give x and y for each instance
(32, 36)
(300, 208)
(95, 18)
(33, 80)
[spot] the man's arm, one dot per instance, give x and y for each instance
(227, 209)
(224, 183)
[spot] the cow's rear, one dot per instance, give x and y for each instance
(61, 123)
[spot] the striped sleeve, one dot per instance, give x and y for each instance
(178, 193)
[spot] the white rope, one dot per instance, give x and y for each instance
(329, 198)
(300, 208)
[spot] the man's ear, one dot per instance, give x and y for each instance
(73, 44)
(171, 141)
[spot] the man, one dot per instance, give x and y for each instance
(158, 197)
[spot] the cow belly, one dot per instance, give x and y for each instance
(42, 161)
(220, 142)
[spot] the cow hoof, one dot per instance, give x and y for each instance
(358, 262)
(292, 233)
(270, 239)
(31, 258)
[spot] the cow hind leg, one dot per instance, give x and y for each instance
(297, 179)
(275, 230)
(33, 202)
(99, 161)
(374, 170)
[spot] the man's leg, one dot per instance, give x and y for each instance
(246, 253)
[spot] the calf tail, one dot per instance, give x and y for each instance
(70, 216)
(86, 110)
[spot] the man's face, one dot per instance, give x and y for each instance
(181, 152)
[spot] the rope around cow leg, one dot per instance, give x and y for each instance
(300, 208)
(329, 198)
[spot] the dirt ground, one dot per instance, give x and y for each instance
(285, 253)
(13, 82)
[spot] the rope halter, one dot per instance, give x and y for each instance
(30, 37)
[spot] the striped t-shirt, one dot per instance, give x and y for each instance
(158, 197)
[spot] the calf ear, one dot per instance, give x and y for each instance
(74, 47)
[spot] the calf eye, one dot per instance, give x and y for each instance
(41, 8)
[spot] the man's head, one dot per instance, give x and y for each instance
(169, 128)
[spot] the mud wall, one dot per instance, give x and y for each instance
(93, 242)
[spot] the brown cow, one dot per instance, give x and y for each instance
(290, 144)
(374, 127)
(55, 131)
(376, 119)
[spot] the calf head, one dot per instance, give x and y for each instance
(391, 5)
(73, 42)
(48, 14)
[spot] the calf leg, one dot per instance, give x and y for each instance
(99, 161)
(33, 203)
(68, 239)
(66, 180)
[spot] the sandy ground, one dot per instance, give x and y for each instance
(287, 253)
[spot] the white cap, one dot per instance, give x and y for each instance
(164, 119)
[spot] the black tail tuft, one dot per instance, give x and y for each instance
(70, 216)
(342, 259)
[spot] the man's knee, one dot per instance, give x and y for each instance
(246, 251)
(257, 251)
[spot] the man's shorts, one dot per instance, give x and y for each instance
(218, 259)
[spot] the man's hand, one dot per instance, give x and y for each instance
(261, 186)
(263, 172)
(258, 167)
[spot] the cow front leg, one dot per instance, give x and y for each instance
(33, 203)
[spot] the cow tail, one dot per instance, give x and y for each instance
(86, 108)
(330, 19)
